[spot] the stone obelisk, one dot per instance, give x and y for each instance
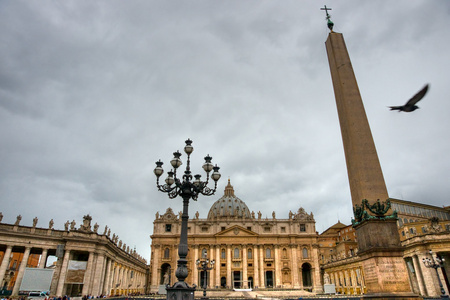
(375, 223)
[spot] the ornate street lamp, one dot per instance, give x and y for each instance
(202, 265)
(435, 263)
(186, 189)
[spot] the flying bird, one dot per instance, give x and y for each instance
(411, 104)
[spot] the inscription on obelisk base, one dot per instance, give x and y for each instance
(384, 274)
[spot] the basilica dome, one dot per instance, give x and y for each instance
(229, 206)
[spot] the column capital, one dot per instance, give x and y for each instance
(293, 246)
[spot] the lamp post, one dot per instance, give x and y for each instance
(435, 263)
(186, 189)
(202, 265)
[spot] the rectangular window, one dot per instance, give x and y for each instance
(204, 229)
(249, 228)
(267, 229)
(302, 227)
(222, 228)
(168, 227)
(283, 229)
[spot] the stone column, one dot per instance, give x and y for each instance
(295, 283)
(211, 281)
(120, 282)
(217, 266)
(229, 275)
(430, 278)
(98, 275)
(23, 265)
(354, 283)
(255, 266)
(277, 267)
(125, 279)
(317, 286)
(43, 259)
(87, 286)
(107, 287)
(244, 266)
(262, 282)
(116, 278)
(194, 270)
(300, 277)
(5, 262)
(62, 274)
(156, 263)
(419, 275)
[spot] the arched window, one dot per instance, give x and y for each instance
(305, 253)
(166, 253)
(236, 253)
(249, 252)
(204, 253)
(268, 253)
(223, 254)
(284, 253)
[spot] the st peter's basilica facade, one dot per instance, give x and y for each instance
(249, 251)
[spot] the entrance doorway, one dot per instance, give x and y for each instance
(306, 274)
(203, 280)
(250, 282)
(223, 282)
(237, 280)
(269, 278)
(165, 274)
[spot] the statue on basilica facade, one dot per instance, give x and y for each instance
(326, 278)
(166, 278)
(50, 224)
(72, 225)
(35, 220)
(19, 218)
(259, 215)
(66, 226)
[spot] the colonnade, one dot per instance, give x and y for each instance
(104, 274)
(424, 280)
(19, 272)
(348, 281)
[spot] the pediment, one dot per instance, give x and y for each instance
(236, 231)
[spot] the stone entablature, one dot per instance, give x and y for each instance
(111, 267)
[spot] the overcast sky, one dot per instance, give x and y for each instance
(92, 93)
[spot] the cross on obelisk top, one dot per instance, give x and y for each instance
(326, 9)
(329, 23)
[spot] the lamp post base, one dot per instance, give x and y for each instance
(180, 291)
